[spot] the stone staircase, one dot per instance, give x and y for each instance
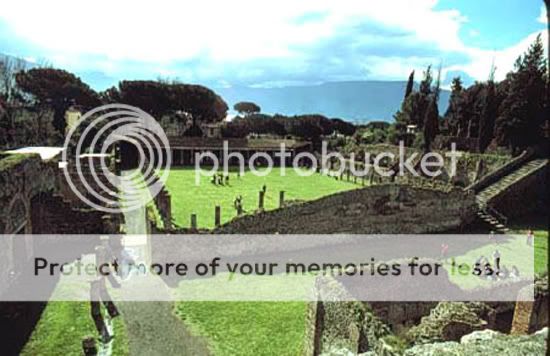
(493, 218)
(503, 183)
(484, 196)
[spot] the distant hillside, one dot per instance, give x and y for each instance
(355, 101)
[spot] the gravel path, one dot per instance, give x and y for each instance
(152, 327)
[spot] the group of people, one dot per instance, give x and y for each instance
(496, 271)
(220, 179)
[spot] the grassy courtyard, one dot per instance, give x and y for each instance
(248, 328)
(201, 199)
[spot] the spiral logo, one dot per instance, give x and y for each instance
(96, 139)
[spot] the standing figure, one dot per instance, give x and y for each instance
(99, 294)
(530, 237)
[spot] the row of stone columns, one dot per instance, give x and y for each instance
(218, 209)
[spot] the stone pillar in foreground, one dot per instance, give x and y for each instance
(194, 221)
(281, 198)
(218, 216)
(261, 200)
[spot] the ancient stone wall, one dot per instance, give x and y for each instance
(21, 178)
(400, 316)
(349, 327)
(53, 215)
(389, 208)
(31, 203)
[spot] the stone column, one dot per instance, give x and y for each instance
(281, 198)
(194, 221)
(218, 216)
(261, 200)
(168, 210)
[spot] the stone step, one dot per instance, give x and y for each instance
(510, 179)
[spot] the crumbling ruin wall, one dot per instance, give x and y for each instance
(400, 316)
(344, 327)
(22, 176)
(449, 321)
(32, 204)
(486, 342)
(387, 208)
(52, 215)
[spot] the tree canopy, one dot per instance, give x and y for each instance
(160, 98)
(247, 108)
(510, 113)
(57, 88)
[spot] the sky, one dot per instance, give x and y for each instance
(270, 43)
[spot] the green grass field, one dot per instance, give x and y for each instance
(189, 198)
(248, 328)
(62, 328)
(539, 226)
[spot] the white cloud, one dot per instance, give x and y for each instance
(213, 35)
(482, 60)
(164, 31)
(543, 18)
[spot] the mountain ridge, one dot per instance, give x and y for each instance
(357, 101)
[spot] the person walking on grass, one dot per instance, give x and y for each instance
(496, 261)
(530, 237)
(492, 237)
(444, 251)
(238, 204)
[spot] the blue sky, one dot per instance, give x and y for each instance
(270, 43)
